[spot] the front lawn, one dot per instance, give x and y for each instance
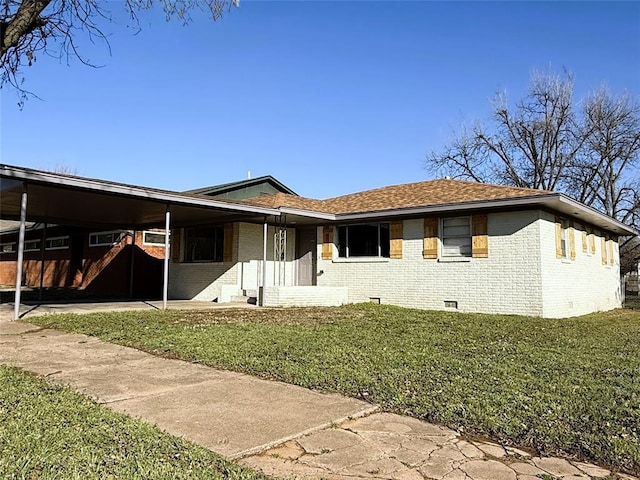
(568, 387)
(49, 431)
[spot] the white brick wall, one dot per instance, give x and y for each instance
(204, 281)
(521, 276)
(580, 286)
(305, 296)
(509, 281)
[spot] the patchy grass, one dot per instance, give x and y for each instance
(569, 387)
(49, 431)
(632, 301)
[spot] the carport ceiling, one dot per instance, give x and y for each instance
(77, 201)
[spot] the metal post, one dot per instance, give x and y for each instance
(42, 245)
(23, 218)
(264, 261)
(132, 258)
(165, 285)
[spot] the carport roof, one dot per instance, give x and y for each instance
(73, 200)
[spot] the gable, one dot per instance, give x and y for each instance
(244, 189)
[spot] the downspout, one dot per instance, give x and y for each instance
(23, 219)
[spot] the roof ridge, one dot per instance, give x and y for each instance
(436, 180)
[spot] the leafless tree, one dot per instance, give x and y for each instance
(605, 175)
(591, 153)
(529, 146)
(53, 27)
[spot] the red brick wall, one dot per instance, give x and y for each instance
(104, 270)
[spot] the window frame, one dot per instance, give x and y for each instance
(122, 234)
(564, 238)
(188, 250)
(442, 238)
(37, 241)
(153, 244)
(61, 237)
(13, 246)
(380, 249)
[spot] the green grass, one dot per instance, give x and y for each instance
(51, 432)
(568, 387)
(632, 301)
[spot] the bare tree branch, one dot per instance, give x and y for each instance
(53, 27)
(592, 154)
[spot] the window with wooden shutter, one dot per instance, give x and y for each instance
(227, 244)
(480, 237)
(175, 245)
(572, 243)
(584, 242)
(559, 239)
(430, 242)
(592, 242)
(603, 246)
(327, 243)
(395, 239)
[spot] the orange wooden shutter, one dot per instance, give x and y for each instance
(611, 260)
(327, 243)
(603, 246)
(175, 244)
(572, 243)
(558, 238)
(227, 247)
(430, 243)
(584, 242)
(395, 239)
(592, 242)
(480, 238)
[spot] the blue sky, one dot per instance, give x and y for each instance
(329, 97)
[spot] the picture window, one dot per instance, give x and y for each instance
(204, 244)
(364, 240)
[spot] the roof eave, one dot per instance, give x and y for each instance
(37, 176)
(556, 201)
(307, 213)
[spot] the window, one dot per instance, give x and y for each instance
(7, 247)
(456, 237)
(32, 245)
(564, 238)
(204, 244)
(100, 239)
(56, 243)
(153, 238)
(366, 240)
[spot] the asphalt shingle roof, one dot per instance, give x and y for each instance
(419, 194)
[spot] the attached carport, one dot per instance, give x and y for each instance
(37, 196)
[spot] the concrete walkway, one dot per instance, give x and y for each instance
(280, 429)
(33, 309)
(230, 413)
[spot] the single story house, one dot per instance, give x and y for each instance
(439, 244)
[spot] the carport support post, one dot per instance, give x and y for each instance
(42, 248)
(23, 218)
(264, 261)
(165, 280)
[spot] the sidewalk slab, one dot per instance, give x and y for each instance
(230, 413)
